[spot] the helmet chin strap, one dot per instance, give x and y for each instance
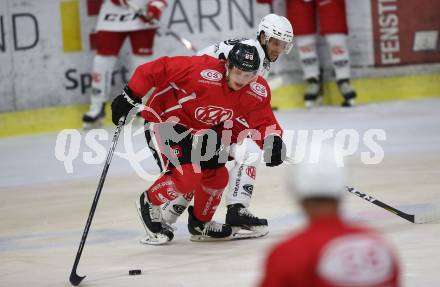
(227, 69)
(264, 46)
(227, 74)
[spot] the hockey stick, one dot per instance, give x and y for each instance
(414, 218)
(167, 31)
(75, 279)
(185, 42)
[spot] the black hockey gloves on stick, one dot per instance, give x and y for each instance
(123, 104)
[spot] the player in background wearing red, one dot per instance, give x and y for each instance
(193, 96)
(332, 16)
(118, 21)
(328, 252)
(274, 38)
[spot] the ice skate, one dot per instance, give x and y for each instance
(244, 223)
(157, 233)
(94, 117)
(207, 231)
(313, 94)
(347, 92)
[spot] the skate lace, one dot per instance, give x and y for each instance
(212, 226)
(244, 211)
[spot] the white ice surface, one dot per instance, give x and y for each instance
(43, 209)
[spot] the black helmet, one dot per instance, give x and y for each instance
(244, 57)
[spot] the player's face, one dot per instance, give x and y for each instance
(275, 48)
(237, 78)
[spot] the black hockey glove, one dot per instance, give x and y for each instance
(274, 150)
(123, 104)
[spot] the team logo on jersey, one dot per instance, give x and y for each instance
(188, 196)
(211, 75)
(213, 115)
(251, 171)
(249, 188)
(259, 89)
(179, 209)
(355, 260)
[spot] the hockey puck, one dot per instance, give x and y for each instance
(135, 272)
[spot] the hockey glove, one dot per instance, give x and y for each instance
(274, 150)
(123, 104)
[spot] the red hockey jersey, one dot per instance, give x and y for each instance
(331, 253)
(193, 91)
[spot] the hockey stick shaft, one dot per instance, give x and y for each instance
(75, 279)
(369, 198)
(185, 42)
(419, 217)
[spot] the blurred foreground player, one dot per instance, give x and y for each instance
(118, 21)
(303, 14)
(193, 96)
(328, 252)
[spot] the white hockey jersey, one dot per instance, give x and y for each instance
(122, 18)
(221, 51)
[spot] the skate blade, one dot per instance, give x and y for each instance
(160, 239)
(239, 233)
(152, 238)
(309, 104)
(91, 126)
(204, 238)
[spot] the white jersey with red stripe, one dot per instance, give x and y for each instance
(123, 18)
(221, 51)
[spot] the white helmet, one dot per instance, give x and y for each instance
(321, 175)
(278, 27)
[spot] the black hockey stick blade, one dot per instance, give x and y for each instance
(75, 279)
(414, 218)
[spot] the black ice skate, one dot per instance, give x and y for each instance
(347, 92)
(207, 231)
(94, 117)
(313, 94)
(244, 223)
(157, 233)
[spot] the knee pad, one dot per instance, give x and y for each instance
(308, 55)
(339, 54)
(102, 77)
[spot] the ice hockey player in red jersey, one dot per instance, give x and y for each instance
(332, 16)
(117, 21)
(193, 97)
(274, 38)
(328, 252)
